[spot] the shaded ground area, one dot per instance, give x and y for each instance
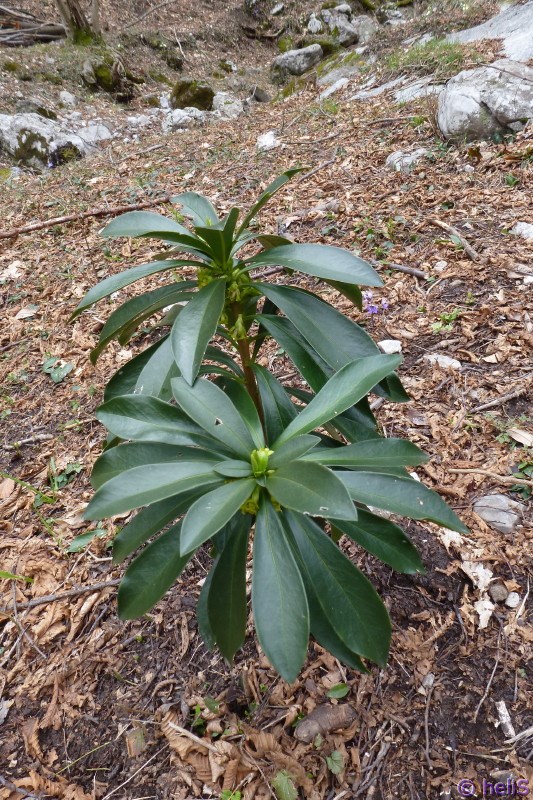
(93, 707)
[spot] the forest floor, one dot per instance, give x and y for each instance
(88, 704)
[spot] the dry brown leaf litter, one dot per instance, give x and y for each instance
(77, 684)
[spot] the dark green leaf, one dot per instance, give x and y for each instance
(126, 318)
(210, 407)
(195, 326)
(338, 691)
(269, 240)
(143, 223)
(321, 261)
(371, 453)
(316, 491)
(383, 539)
(246, 408)
(335, 337)
(202, 618)
(349, 290)
(232, 468)
(403, 496)
(269, 192)
(136, 454)
(124, 380)
(148, 419)
(291, 450)
(143, 486)
(311, 366)
(155, 376)
(197, 207)
(220, 357)
(80, 542)
(348, 599)
(277, 408)
(219, 248)
(151, 574)
(279, 602)
(226, 602)
(213, 511)
(344, 389)
(148, 522)
(116, 282)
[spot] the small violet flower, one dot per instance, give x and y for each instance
(371, 307)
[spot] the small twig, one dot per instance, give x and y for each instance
(12, 788)
(38, 437)
(193, 737)
(54, 598)
(501, 478)
(469, 250)
(385, 120)
(23, 632)
(499, 401)
(13, 344)
(99, 212)
(489, 684)
(400, 268)
(315, 169)
(426, 728)
(146, 13)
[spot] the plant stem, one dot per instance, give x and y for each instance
(243, 347)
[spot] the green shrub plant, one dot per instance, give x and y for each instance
(211, 446)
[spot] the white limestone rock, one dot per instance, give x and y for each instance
(181, 118)
(296, 62)
(499, 511)
(267, 141)
(524, 229)
(366, 28)
(443, 361)
(227, 106)
(489, 100)
(390, 346)
(37, 142)
(404, 162)
(514, 25)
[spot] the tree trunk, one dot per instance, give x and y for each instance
(76, 22)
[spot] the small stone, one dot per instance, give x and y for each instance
(440, 266)
(296, 62)
(499, 511)
(443, 361)
(390, 346)
(498, 592)
(513, 600)
(524, 229)
(68, 99)
(260, 96)
(344, 8)
(314, 25)
(278, 9)
(267, 141)
(227, 105)
(404, 162)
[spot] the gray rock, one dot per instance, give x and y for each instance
(260, 96)
(513, 600)
(498, 592)
(181, 118)
(278, 9)
(376, 91)
(424, 87)
(340, 27)
(366, 28)
(443, 361)
(32, 105)
(390, 346)
(338, 74)
(140, 122)
(68, 99)
(482, 102)
(93, 134)
(296, 62)
(188, 93)
(404, 162)
(524, 229)
(344, 8)
(499, 511)
(393, 16)
(335, 87)
(514, 25)
(267, 141)
(38, 142)
(227, 106)
(314, 25)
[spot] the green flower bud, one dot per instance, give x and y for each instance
(259, 461)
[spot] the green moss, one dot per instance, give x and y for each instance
(330, 4)
(11, 66)
(51, 77)
(327, 43)
(31, 148)
(152, 101)
(285, 43)
(5, 174)
(190, 93)
(159, 77)
(104, 77)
